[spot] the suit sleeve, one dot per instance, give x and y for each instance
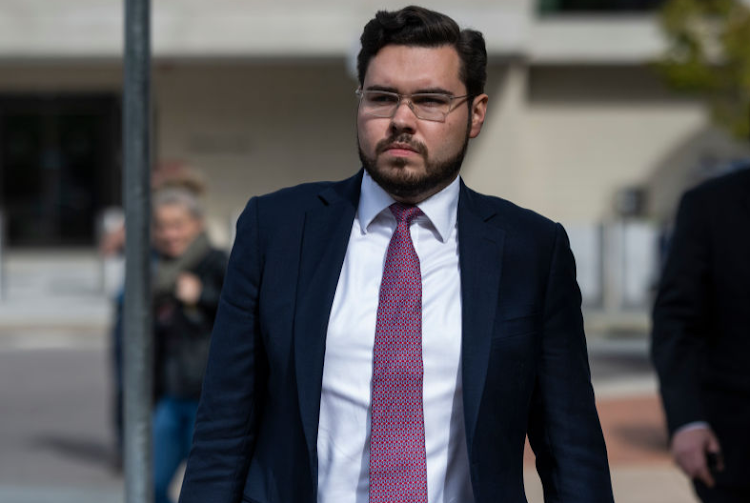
(225, 429)
(564, 429)
(679, 334)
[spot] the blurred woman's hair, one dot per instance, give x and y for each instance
(177, 174)
(178, 196)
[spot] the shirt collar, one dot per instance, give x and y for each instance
(440, 209)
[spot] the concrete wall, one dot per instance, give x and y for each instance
(250, 128)
(60, 77)
(559, 139)
(231, 28)
(593, 131)
(255, 129)
(39, 29)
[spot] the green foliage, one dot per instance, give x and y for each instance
(709, 55)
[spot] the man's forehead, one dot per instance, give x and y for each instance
(414, 67)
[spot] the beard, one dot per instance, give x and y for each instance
(437, 175)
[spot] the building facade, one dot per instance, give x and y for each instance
(260, 96)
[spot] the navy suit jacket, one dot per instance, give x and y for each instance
(523, 351)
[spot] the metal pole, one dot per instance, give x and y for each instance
(138, 346)
(2, 258)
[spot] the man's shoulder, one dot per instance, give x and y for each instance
(297, 195)
(300, 198)
(721, 187)
(510, 216)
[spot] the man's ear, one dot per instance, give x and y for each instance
(478, 111)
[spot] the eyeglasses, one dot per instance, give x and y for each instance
(426, 106)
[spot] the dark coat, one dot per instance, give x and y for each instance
(701, 333)
(524, 358)
(182, 333)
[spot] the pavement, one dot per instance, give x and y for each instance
(63, 300)
(60, 290)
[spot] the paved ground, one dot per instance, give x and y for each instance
(642, 471)
(68, 289)
(55, 442)
(633, 424)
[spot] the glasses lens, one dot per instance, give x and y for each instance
(426, 106)
(431, 106)
(379, 103)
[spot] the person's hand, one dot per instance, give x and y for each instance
(690, 448)
(188, 288)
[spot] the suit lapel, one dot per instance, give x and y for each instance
(480, 257)
(325, 238)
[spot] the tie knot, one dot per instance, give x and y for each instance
(405, 212)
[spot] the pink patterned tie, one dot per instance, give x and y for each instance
(398, 467)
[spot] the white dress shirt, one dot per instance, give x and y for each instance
(344, 425)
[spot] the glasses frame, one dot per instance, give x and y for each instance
(408, 98)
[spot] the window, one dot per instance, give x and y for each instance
(597, 6)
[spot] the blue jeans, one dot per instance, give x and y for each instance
(173, 433)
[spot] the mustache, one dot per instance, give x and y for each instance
(404, 139)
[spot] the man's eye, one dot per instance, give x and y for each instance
(381, 99)
(430, 100)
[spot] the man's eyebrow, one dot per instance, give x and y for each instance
(382, 88)
(432, 90)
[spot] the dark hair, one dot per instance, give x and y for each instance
(417, 26)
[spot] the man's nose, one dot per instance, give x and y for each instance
(404, 119)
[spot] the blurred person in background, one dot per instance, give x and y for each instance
(170, 174)
(701, 338)
(394, 336)
(187, 281)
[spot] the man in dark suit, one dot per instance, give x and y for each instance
(394, 336)
(701, 338)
